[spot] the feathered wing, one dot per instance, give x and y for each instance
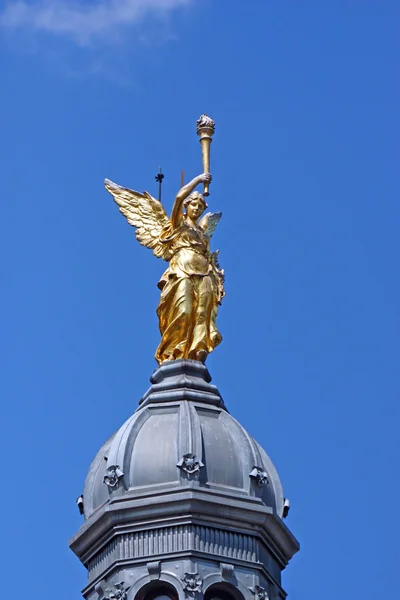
(209, 223)
(145, 213)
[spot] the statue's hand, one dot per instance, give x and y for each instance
(205, 178)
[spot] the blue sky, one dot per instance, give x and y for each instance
(305, 159)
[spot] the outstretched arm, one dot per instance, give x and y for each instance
(183, 194)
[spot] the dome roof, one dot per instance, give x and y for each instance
(180, 436)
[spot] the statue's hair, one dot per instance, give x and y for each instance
(195, 195)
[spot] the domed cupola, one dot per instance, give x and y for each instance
(182, 437)
(182, 503)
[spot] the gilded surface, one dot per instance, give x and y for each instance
(192, 285)
(205, 128)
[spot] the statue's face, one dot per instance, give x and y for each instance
(195, 207)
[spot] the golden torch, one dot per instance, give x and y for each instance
(205, 131)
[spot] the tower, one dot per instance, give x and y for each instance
(181, 503)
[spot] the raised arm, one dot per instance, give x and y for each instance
(183, 194)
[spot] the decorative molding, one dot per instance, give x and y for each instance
(260, 476)
(177, 538)
(116, 591)
(190, 464)
(112, 476)
(192, 583)
(259, 592)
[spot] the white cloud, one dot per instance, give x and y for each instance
(83, 21)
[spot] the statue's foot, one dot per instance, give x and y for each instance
(201, 355)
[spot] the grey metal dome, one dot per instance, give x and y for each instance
(181, 437)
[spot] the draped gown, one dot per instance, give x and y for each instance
(191, 289)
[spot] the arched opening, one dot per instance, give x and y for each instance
(222, 591)
(157, 590)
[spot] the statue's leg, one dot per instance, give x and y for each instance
(175, 313)
(201, 344)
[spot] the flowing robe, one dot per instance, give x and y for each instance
(191, 289)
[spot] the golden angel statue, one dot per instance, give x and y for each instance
(192, 287)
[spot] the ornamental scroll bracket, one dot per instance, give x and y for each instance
(154, 569)
(227, 571)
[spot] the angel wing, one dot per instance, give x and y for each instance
(145, 213)
(209, 223)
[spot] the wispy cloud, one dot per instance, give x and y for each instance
(83, 21)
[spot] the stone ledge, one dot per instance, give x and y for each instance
(247, 516)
